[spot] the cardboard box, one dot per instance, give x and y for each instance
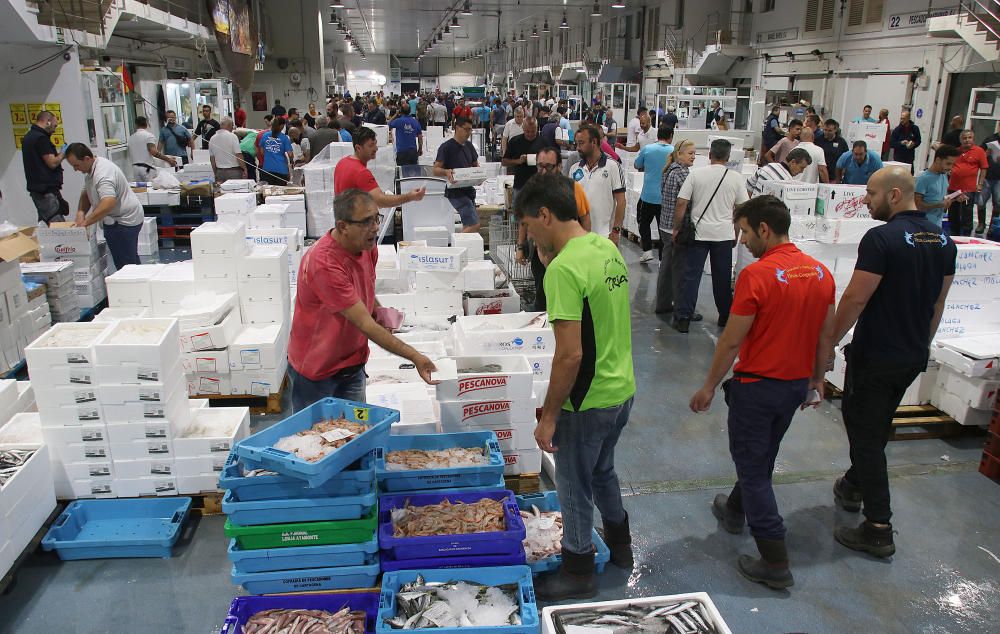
(269, 216)
(835, 202)
(130, 287)
(513, 380)
(414, 258)
(212, 337)
(472, 242)
(259, 347)
(68, 395)
(210, 361)
(800, 198)
(468, 177)
(218, 239)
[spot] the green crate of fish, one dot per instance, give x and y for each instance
(304, 533)
(670, 614)
(497, 600)
(543, 533)
(439, 461)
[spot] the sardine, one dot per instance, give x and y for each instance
(454, 604)
(302, 621)
(671, 618)
(11, 461)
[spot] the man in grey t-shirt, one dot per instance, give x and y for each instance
(107, 197)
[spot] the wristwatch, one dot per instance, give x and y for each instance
(616, 229)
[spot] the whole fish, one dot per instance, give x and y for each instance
(687, 617)
(483, 369)
(454, 604)
(11, 461)
(301, 621)
(543, 533)
(447, 518)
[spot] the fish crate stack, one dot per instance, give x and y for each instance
(62, 242)
(969, 377)
(434, 463)
(294, 216)
(292, 238)
(149, 242)
(302, 501)
(27, 496)
(318, 182)
(60, 293)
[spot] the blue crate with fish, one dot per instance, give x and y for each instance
(105, 529)
(499, 484)
(458, 602)
(290, 510)
(364, 605)
(357, 479)
(389, 564)
(309, 580)
(548, 502)
(339, 432)
(425, 461)
(484, 522)
(300, 557)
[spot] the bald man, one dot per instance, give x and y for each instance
(897, 313)
(43, 169)
(816, 171)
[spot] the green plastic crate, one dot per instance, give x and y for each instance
(304, 533)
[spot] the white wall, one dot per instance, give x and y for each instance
(58, 81)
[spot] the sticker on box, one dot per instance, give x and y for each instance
(156, 430)
(205, 364)
(208, 385)
(95, 452)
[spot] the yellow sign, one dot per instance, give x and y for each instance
(55, 109)
(18, 114)
(57, 139)
(34, 109)
(19, 132)
(22, 115)
(361, 413)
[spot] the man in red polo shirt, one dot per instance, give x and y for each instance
(352, 173)
(781, 324)
(336, 312)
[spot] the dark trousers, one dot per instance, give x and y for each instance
(960, 217)
(123, 243)
(275, 179)
(51, 206)
(721, 254)
(872, 392)
(538, 272)
(669, 280)
(760, 411)
(251, 162)
(348, 384)
(406, 157)
(646, 213)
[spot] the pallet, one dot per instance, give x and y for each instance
(206, 503)
(831, 391)
(270, 404)
(933, 422)
(525, 483)
(10, 578)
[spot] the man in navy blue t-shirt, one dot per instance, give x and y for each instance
(896, 296)
(455, 154)
(408, 138)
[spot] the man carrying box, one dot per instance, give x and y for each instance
(592, 387)
(336, 312)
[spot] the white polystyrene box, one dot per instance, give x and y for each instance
(142, 449)
(130, 287)
(962, 412)
(415, 258)
(143, 468)
(195, 466)
(975, 356)
(259, 347)
(218, 239)
(512, 380)
(978, 393)
(487, 412)
(479, 276)
(70, 344)
(969, 318)
(975, 287)
(211, 361)
(841, 202)
(264, 262)
(800, 198)
(211, 431)
(843, 231)
(238, 203)
(114, 314)
(170, 286)
(472, 242)
(146, 342)
(152, 485)
(977, 257)
(269, 216)
(522, 461)
(516, 333)
(439, 281)
(216, 273)
(209, 384)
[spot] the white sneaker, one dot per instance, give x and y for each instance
(647, 256)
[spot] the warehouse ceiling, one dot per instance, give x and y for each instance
(403, 27)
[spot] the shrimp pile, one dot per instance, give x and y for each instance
(446, 518)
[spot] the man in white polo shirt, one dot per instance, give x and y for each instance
(642, 136)
(107, 198)
(603, 180)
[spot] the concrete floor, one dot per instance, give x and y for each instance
(945, 576)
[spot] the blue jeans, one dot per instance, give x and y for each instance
(585, 471)
(721, 254)
(991, 189)
(348, 384)
(123, 243)
(760, 411)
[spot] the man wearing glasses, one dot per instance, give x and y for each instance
(336, 312)
(548, 162)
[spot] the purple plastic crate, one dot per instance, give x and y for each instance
(242, 608)
(388, 564)
(506, 542)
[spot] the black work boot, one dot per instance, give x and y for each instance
(867, 538)
(618, 537)
(846, 496)
(772, 568)
(732, 518)
(575, 579)
(682, 325)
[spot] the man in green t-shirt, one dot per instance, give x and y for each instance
(592, 385)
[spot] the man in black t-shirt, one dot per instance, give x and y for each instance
(896, 296)
(832, 144)
(519, 148)
(455, 154)
(207, 126)
(43, 169)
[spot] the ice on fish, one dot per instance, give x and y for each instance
(489, 367)
(543, 533)
(70, 337)
(455, 604)
(321, 439)
(419, 459)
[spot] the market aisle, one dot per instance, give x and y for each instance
(672, 462)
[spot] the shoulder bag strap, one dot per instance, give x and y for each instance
(711, 198)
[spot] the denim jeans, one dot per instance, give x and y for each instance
(673, 258)
(348, 384)
(51, 206)
(721, 254)
(991, 190)
(760, 411)
(585, 471)
(872, 392)
(123, 243)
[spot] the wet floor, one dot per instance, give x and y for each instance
(945, 576)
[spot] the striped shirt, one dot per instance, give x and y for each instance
(673, 178)
(770, 172)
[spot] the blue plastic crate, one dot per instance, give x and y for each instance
(392, 481)
(260, 446)
(357, 479)
(549, 501)
(521, 575)
(103, 529)
(300, 557)
(257, 512)
(499, 485)
(242, 608)
(388, 564)
(506, 542)
(313, 579)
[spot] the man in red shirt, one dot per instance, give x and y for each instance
(967, 177)
(352, 173)
(781, 324)
(336, 312)
(462, 110)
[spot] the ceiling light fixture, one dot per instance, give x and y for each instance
(596, 11)
(534, 33)
(545, 27)
(564, 24)
(454, 22)
(466, 10)
(337, 5)
(521, 38)
(617, 4)
(447, 29)
(333, 17)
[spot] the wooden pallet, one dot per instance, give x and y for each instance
(929, 421)
(270, 404)
(207, 503)
(525, 483)
(10, 577)
(831, 391)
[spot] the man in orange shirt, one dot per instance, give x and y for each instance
(781, 325)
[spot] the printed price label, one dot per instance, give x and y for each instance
(88, 413)
(80, 377)
(250, 357)
(95, 452)
(150, 395)
(100, 489)
(219, 446)
(153, 411)
(154, 448)
(158, 430)
(260, 388)
(144, 373)
(205, 364)
(202, 341)
(161, 468)
(167, 486)
(91, 435)
(209, 386)
(218, 464)
(337, 434)
(84, 396)
(99, 471)
(77, 358)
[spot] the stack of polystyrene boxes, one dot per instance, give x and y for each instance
(269, 216)
(131, 286)
(395, 383)
(264, 284)
(438, 280)
(258, 359)
(318, 181)
(519, 334)
(973, 305)
(216, 247)
(39, 317)
(295, 213)
(59, 290)
(969, 377)
(203, 445)
(15, 397)
(842, 217)
(27, 498)
(169, 286)
(78, 245)
(209, 323)
(800, 198)
(149, 241)
(235, 205)
(15, 320)
(294, 241)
